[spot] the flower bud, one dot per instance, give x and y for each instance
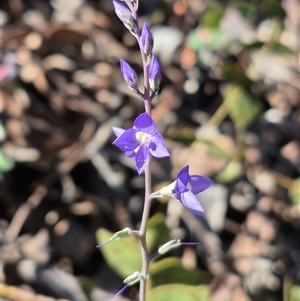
(133, 278)
(130, 76)
(172, 244)
(121, 234)
(146, 40)
(154, 74)
(125, 16)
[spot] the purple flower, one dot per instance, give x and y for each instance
(146, 40)
(185, 187)
(130, 76)
(125, 16)
(154, 74)
(140, 140)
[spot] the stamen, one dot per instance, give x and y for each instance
(144, 138)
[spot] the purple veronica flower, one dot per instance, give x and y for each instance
(154, 74)
(140, 140)
(146, 40)
(130, 76)
(185, 187)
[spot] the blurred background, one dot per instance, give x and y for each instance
(228, 106)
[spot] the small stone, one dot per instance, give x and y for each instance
(33, 41)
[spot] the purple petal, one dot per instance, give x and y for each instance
(146, 39)
(157, 146)
(118, 131)
(122, 12)
(199, 183)
(142, 158)
(145, 123)
(127, 141)
(130, 154)
(190, 201)
(130, 75)
(182, 180)
(154, 73)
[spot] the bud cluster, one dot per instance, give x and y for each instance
(146, 42)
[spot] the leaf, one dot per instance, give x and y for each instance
(230, 173)
(205, 38)
(215, 150)
(123, 255)
(256, 45)
(170, 270)
(291, 291)
(2, 132)
(247, 9)
(272, 8)
(213, 14)
(294, 191)
(6, 163)
(295, 293)
(183, 135)
(236, 75)
(282, 49)
(242, 106)
(179, 292)
(157, 231)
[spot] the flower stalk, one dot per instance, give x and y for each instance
(143, 141)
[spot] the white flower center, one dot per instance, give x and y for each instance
(144, 138)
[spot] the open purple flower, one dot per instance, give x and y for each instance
(140, 140)
(185, 187)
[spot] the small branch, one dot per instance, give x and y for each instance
(23, 212)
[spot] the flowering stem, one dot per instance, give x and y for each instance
(147, 203)
(142, 232)
(143, 140)
(147, 102)
(147, 99)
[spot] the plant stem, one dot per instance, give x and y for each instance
(147, 102)
(142, 233)
(147, 203)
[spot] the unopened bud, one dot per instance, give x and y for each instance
(133, 278)
(125, 16)
(146, 40)
(130, 76)
(121, 234)
(154, 74)
(172, 244)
